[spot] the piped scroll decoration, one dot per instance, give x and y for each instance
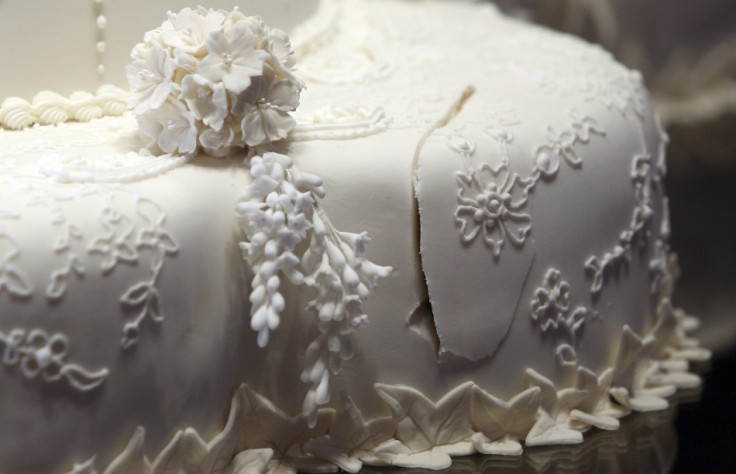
(560, 146)
(647, 175)
(492, 200)
(663, 269)
(636, 235)
(491, 203)
(74, 265)
(12, 279)
(551, 310)
(143, 296)
(129, 238)
(39, 355)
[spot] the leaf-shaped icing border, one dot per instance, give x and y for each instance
(422, 424)
(502, 424)
(260, 437)
(351, 438)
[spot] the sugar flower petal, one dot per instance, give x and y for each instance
(179, 130)
(150, 79)
(234, 61)
(206, 100)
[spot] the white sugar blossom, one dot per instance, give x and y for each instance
(219, 142)
(232, 60)
(150, 79)
(207, 100)
(227, 75)
(266, 106)
(174, 130)
(187, 30)
(280, 47)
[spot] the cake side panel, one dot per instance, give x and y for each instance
(123, 305)
(570, 123)
(369, 189)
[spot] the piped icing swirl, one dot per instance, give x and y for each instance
(50, 108)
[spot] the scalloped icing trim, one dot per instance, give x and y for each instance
(50, 108)
(422, 433)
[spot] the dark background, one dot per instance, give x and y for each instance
(706, 429)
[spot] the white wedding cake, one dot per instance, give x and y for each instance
(408, 230)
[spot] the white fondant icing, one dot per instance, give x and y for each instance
(99, 238)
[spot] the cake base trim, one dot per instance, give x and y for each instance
(422, 433)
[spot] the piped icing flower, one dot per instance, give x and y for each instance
(213, 80)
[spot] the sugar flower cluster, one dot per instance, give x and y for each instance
(213, 79)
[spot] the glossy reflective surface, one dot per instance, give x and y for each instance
(646, 443)
(706, 429)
